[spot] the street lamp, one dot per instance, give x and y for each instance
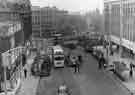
(109, 32)
(121, 28)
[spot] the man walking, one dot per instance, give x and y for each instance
(80, 58)
(75, 66)
(25, 72)
(78, 66)
(131, 70)
(23, 59)
(101, 62)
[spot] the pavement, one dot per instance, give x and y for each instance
(130, 83)
(29, 84)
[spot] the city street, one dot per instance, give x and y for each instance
(90, 80)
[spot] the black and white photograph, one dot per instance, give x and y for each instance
(67, 47)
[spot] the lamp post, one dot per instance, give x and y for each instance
(5, 80)
(121, 28)
(109, 32)
(40, 22)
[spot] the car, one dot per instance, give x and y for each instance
(88, 48)
(70, 46)
(121, 70)
(97, 54)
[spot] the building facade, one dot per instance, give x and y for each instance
(17, 10)
(44, 20)
(15, 29)
(120, 22)
(9, 33)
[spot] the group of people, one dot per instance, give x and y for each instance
(76, 63)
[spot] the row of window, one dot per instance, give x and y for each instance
(37, 19)
(128, 28)
(128, 20)
(128, 9)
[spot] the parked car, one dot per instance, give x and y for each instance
(121, 70)
(88, 48)
(97, 53)
(70, 46)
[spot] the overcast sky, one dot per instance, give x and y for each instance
(71, 5)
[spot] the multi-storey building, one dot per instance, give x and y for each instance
(44, 20)
(120, 22)
(11, 36)
(15, 29)
(11, 33)
(36, 21)
(20, 9)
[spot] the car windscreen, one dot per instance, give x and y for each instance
(59, 58)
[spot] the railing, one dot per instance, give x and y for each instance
(8, 59)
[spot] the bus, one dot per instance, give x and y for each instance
(58, 56)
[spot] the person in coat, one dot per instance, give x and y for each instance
(101, 62)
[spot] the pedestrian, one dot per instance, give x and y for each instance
(23, 59)
(68, 55)
(78, 66)
(101, 62)
(80, 58)
(131, 70)
(75, 66)
(25, 72)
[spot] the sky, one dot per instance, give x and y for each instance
(71, 5)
